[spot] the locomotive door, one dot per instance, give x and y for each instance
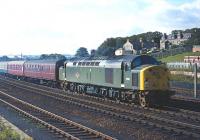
(122, 74)
(126, 76)
(89, 76)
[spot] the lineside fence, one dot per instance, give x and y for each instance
(185, 79)
(172, 52)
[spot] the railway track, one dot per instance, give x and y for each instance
(59, 125)
(185, 92)
(147, 116)
(184, 99)
(102, 101)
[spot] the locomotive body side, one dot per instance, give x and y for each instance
(94, 75)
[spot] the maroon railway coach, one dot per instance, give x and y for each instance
(43, 69)
(16, 68)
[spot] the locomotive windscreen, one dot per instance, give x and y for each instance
(143, 60)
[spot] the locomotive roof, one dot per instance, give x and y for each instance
(123, 58)
(115, 61)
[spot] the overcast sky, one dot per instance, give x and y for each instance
(62, 26)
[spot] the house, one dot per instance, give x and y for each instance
(196, 48)
(174, 39)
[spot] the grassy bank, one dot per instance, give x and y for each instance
(179, 57)
(10, 132)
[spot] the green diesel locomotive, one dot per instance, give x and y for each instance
(129, 78)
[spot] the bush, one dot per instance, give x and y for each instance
(8, 134)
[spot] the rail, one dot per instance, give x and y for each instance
(69, 129)
(143, 118)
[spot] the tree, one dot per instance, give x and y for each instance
(52, 56)
(44, 56)
(4, 58)
(92, 52)
(56, 56)
(165, 36)
(82, 52)
(108, 47)
(195, 38)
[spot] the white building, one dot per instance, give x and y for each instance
(127, 49)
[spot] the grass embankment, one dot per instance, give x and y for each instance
(179, 57)
(7, 133)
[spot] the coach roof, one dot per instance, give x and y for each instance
(51, 61)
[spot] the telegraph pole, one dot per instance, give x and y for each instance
(195, 80)
(141, 41)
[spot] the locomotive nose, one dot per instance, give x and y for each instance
(155, 78)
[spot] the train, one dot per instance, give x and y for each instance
(128, 78)
(191, 59)
(188, 66)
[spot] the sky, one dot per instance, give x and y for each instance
(37, 27)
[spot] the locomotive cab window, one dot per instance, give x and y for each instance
(142, 60)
